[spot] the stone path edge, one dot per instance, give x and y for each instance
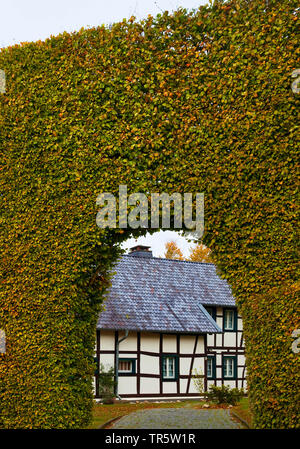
(110, 421)
(235, 415)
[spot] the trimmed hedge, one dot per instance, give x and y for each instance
(188, 102)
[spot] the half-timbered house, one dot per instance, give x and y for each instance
(165, 322)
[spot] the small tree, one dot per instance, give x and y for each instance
(198, 380)
(200, 254)
(173, 251)
(107, 384)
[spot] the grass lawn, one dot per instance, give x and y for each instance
(242, 409)
(103, 413)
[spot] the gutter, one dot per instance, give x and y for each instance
(117, 364)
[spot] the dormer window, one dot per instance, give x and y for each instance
(212, 312)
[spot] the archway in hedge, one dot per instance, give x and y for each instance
(189, 102)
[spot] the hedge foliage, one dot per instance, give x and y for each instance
(190, 102)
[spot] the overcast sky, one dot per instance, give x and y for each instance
(31, 20)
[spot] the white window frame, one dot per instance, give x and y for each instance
(229, 360)
(167, 359)
(123, 370)
(226, 312)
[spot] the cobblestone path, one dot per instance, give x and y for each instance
(172, 418)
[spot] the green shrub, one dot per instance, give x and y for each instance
(224, 394)
(107, 384)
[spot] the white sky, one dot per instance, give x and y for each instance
(158, 240)
(31, 20)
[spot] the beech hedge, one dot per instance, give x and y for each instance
(195, 101)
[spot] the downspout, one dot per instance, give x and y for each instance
(117, 364)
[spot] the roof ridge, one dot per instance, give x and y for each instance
(165, 259)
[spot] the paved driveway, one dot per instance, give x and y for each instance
(172, 418)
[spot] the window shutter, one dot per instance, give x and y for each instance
(235, 367)
(176, 367)
(134, 366)
(214, 366)
(235, 320)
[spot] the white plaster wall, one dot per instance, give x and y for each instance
(240, 340)
(219, 320)
(149, 342)
(169, 387)
(127, 385)
(210, 339)
(240, 324)
(219, 339)
(187, 343)
(149, 364)
(230, 339)
(128, 355)
(107, 340)
(241, 359)
(148, 385)
(192, 388)
(200, 345)
(183, 385)
(107, 360)
(199, 363)
(169, 343)
(240, 372)
(130, 343)
(184, 365)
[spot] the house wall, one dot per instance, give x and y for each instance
(228, 343)
(147, 349)
(192, 350)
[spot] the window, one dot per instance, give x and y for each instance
(212, 312)
(211, 367)
(127, 366)
(229, 367)
(229, 320)
(170, 367)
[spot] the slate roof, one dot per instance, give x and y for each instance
(154, 294)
